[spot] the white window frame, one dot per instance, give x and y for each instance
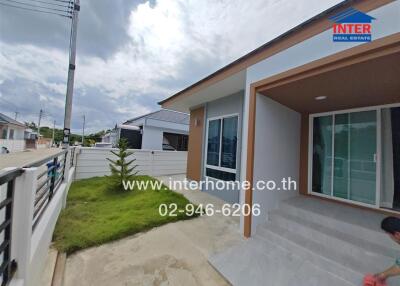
(219, 168)
(378, 109)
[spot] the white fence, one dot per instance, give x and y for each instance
(13, 145)
(30, 241)
(92, 162)
(31, 234)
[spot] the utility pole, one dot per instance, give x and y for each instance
(54, 128)
(83, 131)
(16, 115)
(38, 126)
(71, 74)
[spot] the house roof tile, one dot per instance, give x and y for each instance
(164, 115)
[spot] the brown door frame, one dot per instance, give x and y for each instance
(378, 48)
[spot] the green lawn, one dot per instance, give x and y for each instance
(95, 215)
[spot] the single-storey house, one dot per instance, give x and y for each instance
(160, 130)
(12, 134)
(318, 105)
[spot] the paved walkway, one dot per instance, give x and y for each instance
(173, 254)
(20, 159)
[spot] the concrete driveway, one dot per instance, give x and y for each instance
(174, 254)
(21, 159)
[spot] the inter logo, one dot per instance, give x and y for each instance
(352, 25)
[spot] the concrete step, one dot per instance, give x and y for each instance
(342, 266)
(368, 254)
(347, 220)
(258, 262)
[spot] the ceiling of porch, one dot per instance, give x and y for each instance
(369, 83)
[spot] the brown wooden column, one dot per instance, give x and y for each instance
(250, 158)
(195, 147)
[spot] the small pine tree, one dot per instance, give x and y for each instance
(121, 169)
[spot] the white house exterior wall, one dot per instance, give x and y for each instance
(277, 141)
(317, 47)
(231, 104)
(152, 138)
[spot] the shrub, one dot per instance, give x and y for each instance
(121, 169)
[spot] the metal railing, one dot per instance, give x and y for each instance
(51, 176)
(72, 162)
(8, 266)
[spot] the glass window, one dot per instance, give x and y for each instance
(221, 148)
(11, 135)
(322, 155)
(214, 138)
(4, 134)
(229, 142)
(354, 153)
(221, 175)
(341, 153)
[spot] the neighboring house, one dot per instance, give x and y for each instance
(12, 134)
(30, 134)
(323, 113)
(30, 139)
(160, 130)
(109, 137)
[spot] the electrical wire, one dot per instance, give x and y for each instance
(69, 5)
(35, 10)
(40, 7)
(64, 1)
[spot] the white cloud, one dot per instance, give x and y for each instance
(171, 43)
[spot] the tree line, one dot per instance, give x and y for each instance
(47, 132)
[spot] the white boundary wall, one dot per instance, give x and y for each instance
(30, 247)
(92, 162)
(13, 145)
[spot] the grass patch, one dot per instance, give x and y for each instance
(95, 215)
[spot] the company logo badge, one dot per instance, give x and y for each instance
(352, 25)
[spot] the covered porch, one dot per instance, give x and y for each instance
(333, 125)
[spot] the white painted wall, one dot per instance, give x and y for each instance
(277, 152)
(231, 104)
(153, 129)
(152, 138)
(13, 145)
(30, 247)
(19, 133)
(316, 47)
(91, 162)
(43, 233)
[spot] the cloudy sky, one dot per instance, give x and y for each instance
(130, 53)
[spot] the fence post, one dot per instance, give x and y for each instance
(24, 196)
(53, 177)
(152, 163)
(67, 166)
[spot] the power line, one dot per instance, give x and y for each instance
(67, 5)
(41, 7)
(64, 1)
(35, 10)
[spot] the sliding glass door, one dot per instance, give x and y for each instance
(344, 152)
